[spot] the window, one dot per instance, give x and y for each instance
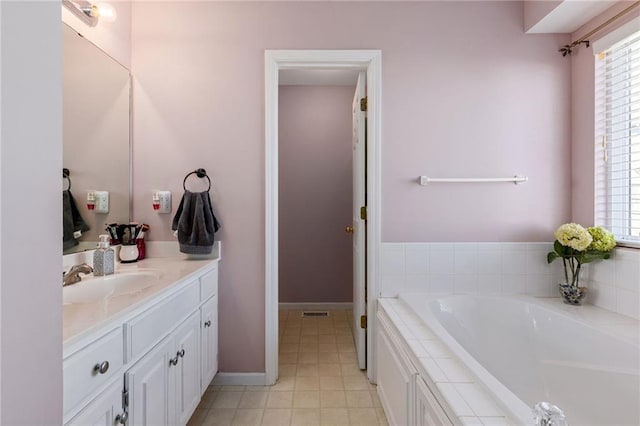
(617, 157)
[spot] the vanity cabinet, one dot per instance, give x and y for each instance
(209, 341)
(161, 358)
(104, 409)
(148, 383)
(164, 386)
(92, 367)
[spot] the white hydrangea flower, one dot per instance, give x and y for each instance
(574, 236)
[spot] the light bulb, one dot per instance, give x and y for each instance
(107, 12)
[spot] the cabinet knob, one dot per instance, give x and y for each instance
(101, 368)
(122, 418)
(173, 361)
(207, 323)
(180, 354)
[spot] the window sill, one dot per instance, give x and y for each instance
(628, 244)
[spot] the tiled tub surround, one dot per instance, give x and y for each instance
(506, 268)
(470, 394)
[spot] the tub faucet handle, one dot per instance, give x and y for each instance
(547, 414)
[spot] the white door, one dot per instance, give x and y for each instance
(151, 384)
(188, 368)
(359, 228)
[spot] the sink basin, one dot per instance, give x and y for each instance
(93, 289)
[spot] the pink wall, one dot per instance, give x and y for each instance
(315, 181)
(583, 118)
(465, 93)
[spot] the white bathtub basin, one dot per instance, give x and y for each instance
(523, 351)
(92, 289)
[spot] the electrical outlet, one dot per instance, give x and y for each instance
(101, 201)
(164, 198)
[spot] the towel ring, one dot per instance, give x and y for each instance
(201, 173)
(65, 175)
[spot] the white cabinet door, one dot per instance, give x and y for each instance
(209, 339)
(428, 411)
(187, 396)
(103, 410)
(396, 381)
(150, 383)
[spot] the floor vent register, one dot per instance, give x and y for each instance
(315, 314)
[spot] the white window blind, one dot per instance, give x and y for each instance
(617, 159)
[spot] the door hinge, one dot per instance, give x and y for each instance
(363, 104)
(363, 212)
(363, 321)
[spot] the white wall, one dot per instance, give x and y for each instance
(30, 213)
(535, 11)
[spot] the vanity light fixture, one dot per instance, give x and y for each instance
(89, 12)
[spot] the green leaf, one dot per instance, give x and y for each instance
(592, 255)
(551, 256)
(559, 248)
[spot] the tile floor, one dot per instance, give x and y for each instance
(320, 382)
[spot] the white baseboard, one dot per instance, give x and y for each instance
(316, 306)
(239, 379)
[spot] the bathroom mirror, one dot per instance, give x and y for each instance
(96, 136)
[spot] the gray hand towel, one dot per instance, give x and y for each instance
(195, 223)
(71, 221)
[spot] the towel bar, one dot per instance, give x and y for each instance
(425, 180)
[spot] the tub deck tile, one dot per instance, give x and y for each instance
(417, 348)
(479, 402)
(470, 421)
(454, 371)
(495, 421)
(456, 401)
(436, 373)
(435, 349)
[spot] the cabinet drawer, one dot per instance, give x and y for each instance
(209, 284)
(148, 328)
(80, 374)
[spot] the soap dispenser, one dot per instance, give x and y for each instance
(103, 258)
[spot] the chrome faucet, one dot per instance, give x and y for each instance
(73, 275)
(547, 414)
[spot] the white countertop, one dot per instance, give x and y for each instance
(80, 320)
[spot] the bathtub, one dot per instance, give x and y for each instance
(523, 350)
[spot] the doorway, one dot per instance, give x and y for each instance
(315, 190)
(368, 61)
